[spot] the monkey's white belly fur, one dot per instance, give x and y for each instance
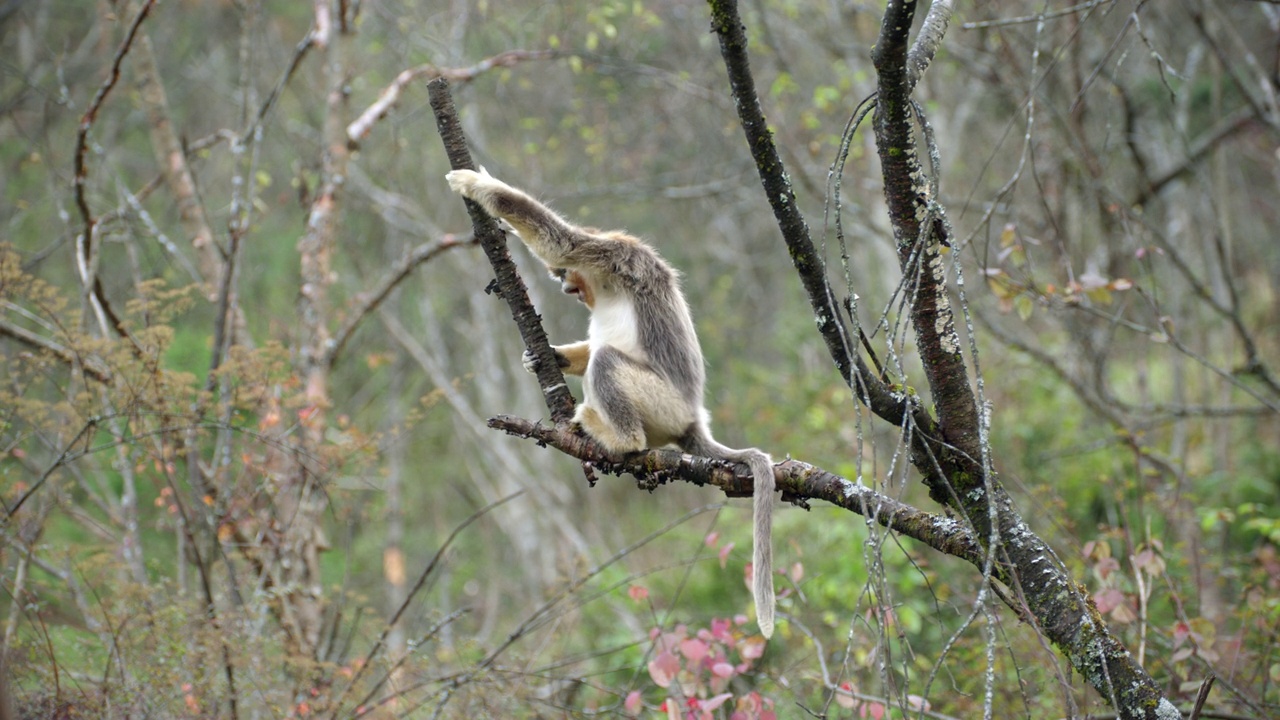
(613, 324)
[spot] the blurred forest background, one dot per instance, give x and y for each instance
(248, 358)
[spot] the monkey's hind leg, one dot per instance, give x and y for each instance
(602, 430)
(608, 413)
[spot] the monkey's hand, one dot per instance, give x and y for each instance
(472, 184)
(530, 361)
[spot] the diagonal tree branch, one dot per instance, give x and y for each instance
(920, 233)
(798, 481)
(1046, 594)
(928, 40)
(92, 367)
(367, 302)
(81, 175)
(1226, 128)
(363, 125)
(727, 25)
(172, 159)
(507, 282)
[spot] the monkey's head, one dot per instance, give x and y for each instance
(574, 283)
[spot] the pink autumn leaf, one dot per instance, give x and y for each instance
(874, 710)
(711, 539)
(724, 554)
(1108, 599)
(752, 647)
(715, 702)
(669, 641)
(1123, 613)
(663, 668)
(740, 619)
(846, 701)
(720, 629)
(1181, 631)
(797, 573)
(694, 650)
(1106, 566)
(632, 703)
(1208, 654)
(751, 703)
(722, 669)
(638, 592)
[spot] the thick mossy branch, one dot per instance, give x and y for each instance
(1062, 610)
(949, 453)
(919, 241)
(896, 409)
(928, 40)
(508, 282)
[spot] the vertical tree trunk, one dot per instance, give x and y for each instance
(299, 501)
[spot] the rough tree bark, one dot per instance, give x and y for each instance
(948, 450)
(950, 454)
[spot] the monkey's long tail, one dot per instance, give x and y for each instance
(762, 511)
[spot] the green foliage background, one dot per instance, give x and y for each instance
(630, 125)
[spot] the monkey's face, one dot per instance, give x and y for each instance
(575, 284)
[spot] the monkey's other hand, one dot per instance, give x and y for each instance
(530, 361)
(468, 183)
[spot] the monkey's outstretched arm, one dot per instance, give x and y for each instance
(554, 240)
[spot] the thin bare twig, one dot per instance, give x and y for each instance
(1038, 17)
(81, 174)
(299, 52)
(91, 366)
(390, 95)
(408, 599)
(367, 302)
